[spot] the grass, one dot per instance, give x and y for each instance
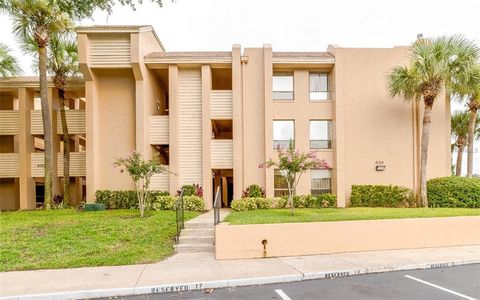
(342, 214)
(68, 238)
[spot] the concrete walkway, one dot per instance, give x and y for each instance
(198, 270)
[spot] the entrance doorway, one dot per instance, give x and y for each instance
(224, 179)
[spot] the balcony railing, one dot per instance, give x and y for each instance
(222, 154)
(159, 130)
(77, 164)
(9, 165)
(221, 106)
(9, 122)
(75, 122)
(160, 182)
(320, 144)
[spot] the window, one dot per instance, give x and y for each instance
(320, 134)
(280, 186)
(319, 86)
(283, 133)
(321, 181)
(282, 86)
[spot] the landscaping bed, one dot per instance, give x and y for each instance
(69, 238)
(272, 216)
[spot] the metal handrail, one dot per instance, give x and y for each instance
(180, 214)
(216, 207)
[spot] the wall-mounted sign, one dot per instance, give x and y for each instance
(380, 165)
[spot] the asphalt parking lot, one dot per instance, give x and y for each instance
(462, 282)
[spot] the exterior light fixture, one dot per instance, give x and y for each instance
(380, 168)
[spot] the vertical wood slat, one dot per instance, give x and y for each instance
(221, 104)
(190, 127)
(9, 122)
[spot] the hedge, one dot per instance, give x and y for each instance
(124, 199)
(454, 191)
(169, 202)
(308, 201)
(94, 207)
(381, 196)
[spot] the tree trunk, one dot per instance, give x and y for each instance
(471, 134)
(66, 149)
(427, 120)
(290, 197)
(47, 126)
(458, 167)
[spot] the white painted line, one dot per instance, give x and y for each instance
(440, 288)
(282, 295)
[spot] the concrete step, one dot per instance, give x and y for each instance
(198, 232)
(196, 240)
(195, 225)
(194, 248)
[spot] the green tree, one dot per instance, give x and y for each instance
(8, 63)
(434, 64)
(38, 20)
(292, 164)
(141, 171)
(468, 87)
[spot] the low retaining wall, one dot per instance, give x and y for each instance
(294, 239)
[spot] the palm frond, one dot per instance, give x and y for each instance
(8, 63)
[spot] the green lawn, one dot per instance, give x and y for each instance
(68, 238)
(342, 214)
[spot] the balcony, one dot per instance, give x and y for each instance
(160, 182)
(9, 165)
(9, 122)
(221, 104)
(75, 122)
(159, 130)
(222, 154)
(77, 164)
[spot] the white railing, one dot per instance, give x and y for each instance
(222, 154)
(158, 132)
(221, 104)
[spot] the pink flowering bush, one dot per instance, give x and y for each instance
(292, 164)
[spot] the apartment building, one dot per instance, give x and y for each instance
(213, 117)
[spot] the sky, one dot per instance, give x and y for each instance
(301, 25)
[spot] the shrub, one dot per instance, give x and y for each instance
(253, 191)
(320, 201)
(454, 191)
(243, 204)
(298, 201)
(164, 203)
(193, 203)
(124, 199)
(191, 190)
(170, 202)
(94, 207)
(279, 202)
(263, 203)
(381, 196)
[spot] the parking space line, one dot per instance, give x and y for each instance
(282, 295)
(440, 288)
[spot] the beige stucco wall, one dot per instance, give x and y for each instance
(116, 126)
(295, 239)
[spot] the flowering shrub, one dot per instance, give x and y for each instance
(191, 190)
(292, 164)
(168, 203)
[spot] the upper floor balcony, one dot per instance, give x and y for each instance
(159, 130)
(221, 104)
(9, 122)
(77, 164)
(9, 165)
(222, 154)
(75, 122)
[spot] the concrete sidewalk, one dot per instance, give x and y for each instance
(189, 271)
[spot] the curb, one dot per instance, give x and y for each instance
(215, 284)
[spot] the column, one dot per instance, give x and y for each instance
(25, 147)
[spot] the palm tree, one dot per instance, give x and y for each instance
(37, 20)
(8, 63)
(459, 124)
(433, 65)
(63, 63)
(468, 87)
